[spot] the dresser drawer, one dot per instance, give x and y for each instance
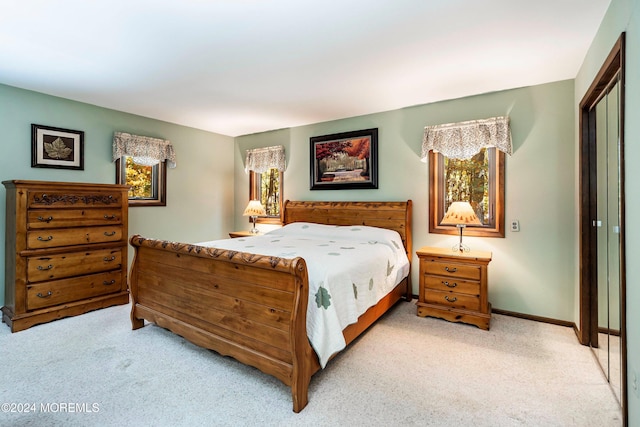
(452, 285)
(72, 264)
(58, 218)
(450, 269)
(63, 291)
(452, 299)
(51, 238)
(73, 199)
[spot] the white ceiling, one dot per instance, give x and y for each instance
(243, 66)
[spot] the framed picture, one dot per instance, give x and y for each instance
(56, 148)
(345, 160)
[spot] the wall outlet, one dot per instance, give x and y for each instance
(515, 225)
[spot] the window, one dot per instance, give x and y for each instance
(478, 180)
(265, 167)
(466, 163)
(141, 162)
(267, 187)
(148, 183)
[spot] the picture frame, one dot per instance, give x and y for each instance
(53, 147)
(347, 160)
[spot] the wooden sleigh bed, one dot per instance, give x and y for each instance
(253, 307)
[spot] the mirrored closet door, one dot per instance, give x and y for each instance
(607, 223)
(602, 222)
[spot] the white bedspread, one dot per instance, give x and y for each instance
(350, 269)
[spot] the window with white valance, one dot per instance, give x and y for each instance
(144, 150)
(262, 159)
(265, 167)
(463, 140)
(467, 163)
(141, 163)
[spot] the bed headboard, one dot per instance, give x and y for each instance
(392, 215)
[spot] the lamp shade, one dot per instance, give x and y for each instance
(254, 208)
(460, 213)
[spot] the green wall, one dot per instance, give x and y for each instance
(531, 270)
(624, 16)
(199, 195)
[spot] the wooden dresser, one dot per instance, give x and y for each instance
(65, 250)
(453, 286)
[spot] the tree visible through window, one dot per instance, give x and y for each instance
(478, 180)
(468, 180)
(267, 187)
(147, 183)
(140, 178)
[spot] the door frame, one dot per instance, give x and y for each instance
(588, 328)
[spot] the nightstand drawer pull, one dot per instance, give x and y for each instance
(109, 259)
(449, 285)
(39, 295)
(450, 270)
(109, 233)
(47, 220)
(108, 283)
(109, 217)
(48, 267)
(454, 299)
(45, 239)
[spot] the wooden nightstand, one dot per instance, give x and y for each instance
(234, 234)
(453, 286)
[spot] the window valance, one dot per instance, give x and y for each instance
(144, 150)
(463, 140)
(262, 159)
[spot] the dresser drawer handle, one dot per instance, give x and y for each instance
(47, 220)
(109, 233)
(454, 299)
(450, 270)
(107, 259)
(45, 239)
(48, 267)
(108, 283)
(39, 295)
(450, 285)
(109, 217)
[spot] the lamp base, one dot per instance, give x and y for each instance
(460, 247)
(254, 230)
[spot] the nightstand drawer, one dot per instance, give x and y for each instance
(452, 285)
(452, 299)
(450, 269)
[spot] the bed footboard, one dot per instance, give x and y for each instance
(247, 306)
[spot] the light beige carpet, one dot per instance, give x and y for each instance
(93, 370)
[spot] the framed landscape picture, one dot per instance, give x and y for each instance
(347, 160)
(56, 148)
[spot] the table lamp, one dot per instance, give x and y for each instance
(254, 209)
(460, 214)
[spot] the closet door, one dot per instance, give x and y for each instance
(607, 347)
(602, 221)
